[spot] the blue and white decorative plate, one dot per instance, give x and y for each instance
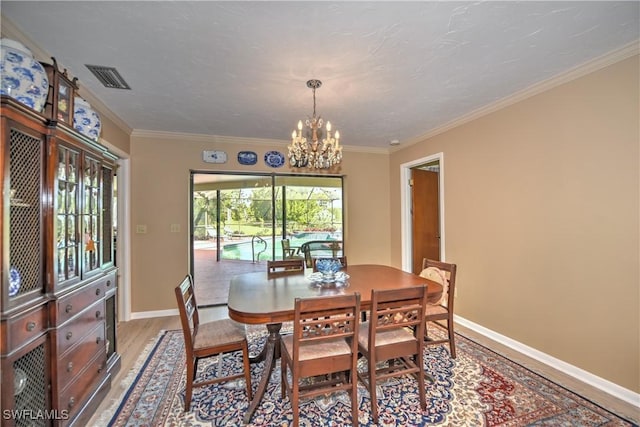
(247, 158)
(275, 159)
(14, 281)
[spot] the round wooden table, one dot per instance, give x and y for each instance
(259, 298)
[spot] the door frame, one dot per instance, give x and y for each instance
(406, 227)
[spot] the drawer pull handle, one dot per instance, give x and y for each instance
(70, 367)
(98, 291)
(31, 326)
(68, 308)
(108, 283)
(72, 402)
(69, 335)
(98, 314)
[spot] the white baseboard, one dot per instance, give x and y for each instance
(607, 386)
(156, 313)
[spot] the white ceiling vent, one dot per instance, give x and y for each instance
(108, 76)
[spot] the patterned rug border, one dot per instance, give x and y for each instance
(533, 371)
(128, 384)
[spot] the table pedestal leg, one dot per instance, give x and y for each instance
(269, 354)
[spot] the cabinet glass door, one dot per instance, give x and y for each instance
(67, 214)
(108, 216)
(91, 230)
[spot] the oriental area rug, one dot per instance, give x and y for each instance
(478, 388)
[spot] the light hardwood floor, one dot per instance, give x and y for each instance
(135, 335)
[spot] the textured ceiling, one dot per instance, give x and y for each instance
(390, 70)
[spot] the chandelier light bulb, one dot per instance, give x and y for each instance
(328, 126)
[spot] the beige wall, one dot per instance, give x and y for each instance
(114, 137)
(541, 216)
(160, 171)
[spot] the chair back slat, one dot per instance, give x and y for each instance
(188, 309)
(396, 309)
(325, 318)
(285, 267)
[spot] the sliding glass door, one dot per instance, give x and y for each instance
(244, 219)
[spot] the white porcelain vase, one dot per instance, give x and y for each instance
(23, 78)
(85, 119)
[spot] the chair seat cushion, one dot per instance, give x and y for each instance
(432, 309)
(391, 336)
(211, 334)
(309, 350)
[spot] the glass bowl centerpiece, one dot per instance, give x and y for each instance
(328, 267)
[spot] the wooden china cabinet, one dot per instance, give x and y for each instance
(58, 348)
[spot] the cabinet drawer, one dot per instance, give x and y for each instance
(75, 394)
(72, 304)
(75, 360)
(71, 333)
(25, 327)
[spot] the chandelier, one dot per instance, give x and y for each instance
(309, 148)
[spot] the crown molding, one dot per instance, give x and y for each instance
(581, 70)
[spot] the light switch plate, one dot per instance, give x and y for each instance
(214, 156)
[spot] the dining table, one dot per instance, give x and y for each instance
(262, 298)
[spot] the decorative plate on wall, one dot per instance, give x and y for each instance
(275, 159)
(247, 157)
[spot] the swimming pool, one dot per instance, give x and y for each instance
(242, 250)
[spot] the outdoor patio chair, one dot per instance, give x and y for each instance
(202, 340)
(445, 274)
(289, 252)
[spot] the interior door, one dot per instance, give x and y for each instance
(425, 217)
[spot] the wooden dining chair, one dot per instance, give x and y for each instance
(394, 334)
(285, 266)
(323, 346)
(202, 340)
(445, 274)
(342, 259)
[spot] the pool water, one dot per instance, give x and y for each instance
(242, 250)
